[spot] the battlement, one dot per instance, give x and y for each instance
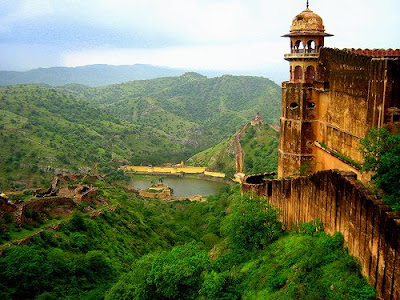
(376, 52)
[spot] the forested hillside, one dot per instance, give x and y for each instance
(217, 106)
(141, 122)
(260, 147)
(43, 129)
(230, 247)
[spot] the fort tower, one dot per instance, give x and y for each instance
(306, 35)
(333, 97)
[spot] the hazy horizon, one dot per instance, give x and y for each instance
(232, 37)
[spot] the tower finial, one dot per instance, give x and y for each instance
(307, 4)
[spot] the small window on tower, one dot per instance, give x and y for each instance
(310, 105)
(396, 118)
(293, 105)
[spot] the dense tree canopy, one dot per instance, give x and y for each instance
(382, 156)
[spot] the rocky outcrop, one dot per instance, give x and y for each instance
(6, 207)
(54, 201)
(55, 206)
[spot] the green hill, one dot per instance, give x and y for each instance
(229, 247)
(92, 75)
(218, 106)
(80, 129)
(43, 129)
(220, 157)
(260, 147)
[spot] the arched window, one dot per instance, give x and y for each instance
(311, 46)
(297, 46)
(310, 74)
(298, 73)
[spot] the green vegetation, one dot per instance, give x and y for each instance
(260, 145)
(341, 156)
(82, 129)
(220, 158)
(382, 156)
(256, 260)
(230, 247)
(86, 255)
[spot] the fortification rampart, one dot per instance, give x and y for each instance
(371, 230)
(361, 94)
(352, 93)
(171, 170)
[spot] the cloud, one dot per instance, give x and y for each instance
(224, 33)
(23, 57)
(222, 57)
(17, 11)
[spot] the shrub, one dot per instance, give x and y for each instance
(252, 224)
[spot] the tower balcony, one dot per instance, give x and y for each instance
(302, 54)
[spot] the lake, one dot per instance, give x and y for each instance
(182, 186)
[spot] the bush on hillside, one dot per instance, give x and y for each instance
(382, 156)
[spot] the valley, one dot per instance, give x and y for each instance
(46, 130)
(116, 245)
(101, 233)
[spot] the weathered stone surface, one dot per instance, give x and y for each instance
(371, 230)
(354, 91)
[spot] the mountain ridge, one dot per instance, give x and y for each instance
(90, 75)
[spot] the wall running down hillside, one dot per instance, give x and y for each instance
(371, 230)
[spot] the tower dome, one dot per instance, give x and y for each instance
(307, 21)
(307, 35)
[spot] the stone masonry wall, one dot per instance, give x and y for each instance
(371, 230)
(361, 93)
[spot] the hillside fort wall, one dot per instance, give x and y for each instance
(332, 99)
(370, 229)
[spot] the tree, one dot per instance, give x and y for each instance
(252, 224)
(177, 274)
(382, 156)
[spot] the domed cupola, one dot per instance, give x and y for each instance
(307, 22)
(306, 35)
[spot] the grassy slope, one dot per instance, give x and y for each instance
(151, 122)
(86, 256)
(260, 145)
(221, 157)
(192, 109)
(301, 266)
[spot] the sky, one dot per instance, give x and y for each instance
(235, 36)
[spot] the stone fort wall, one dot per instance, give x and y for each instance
(352, 93)
(370, 229)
